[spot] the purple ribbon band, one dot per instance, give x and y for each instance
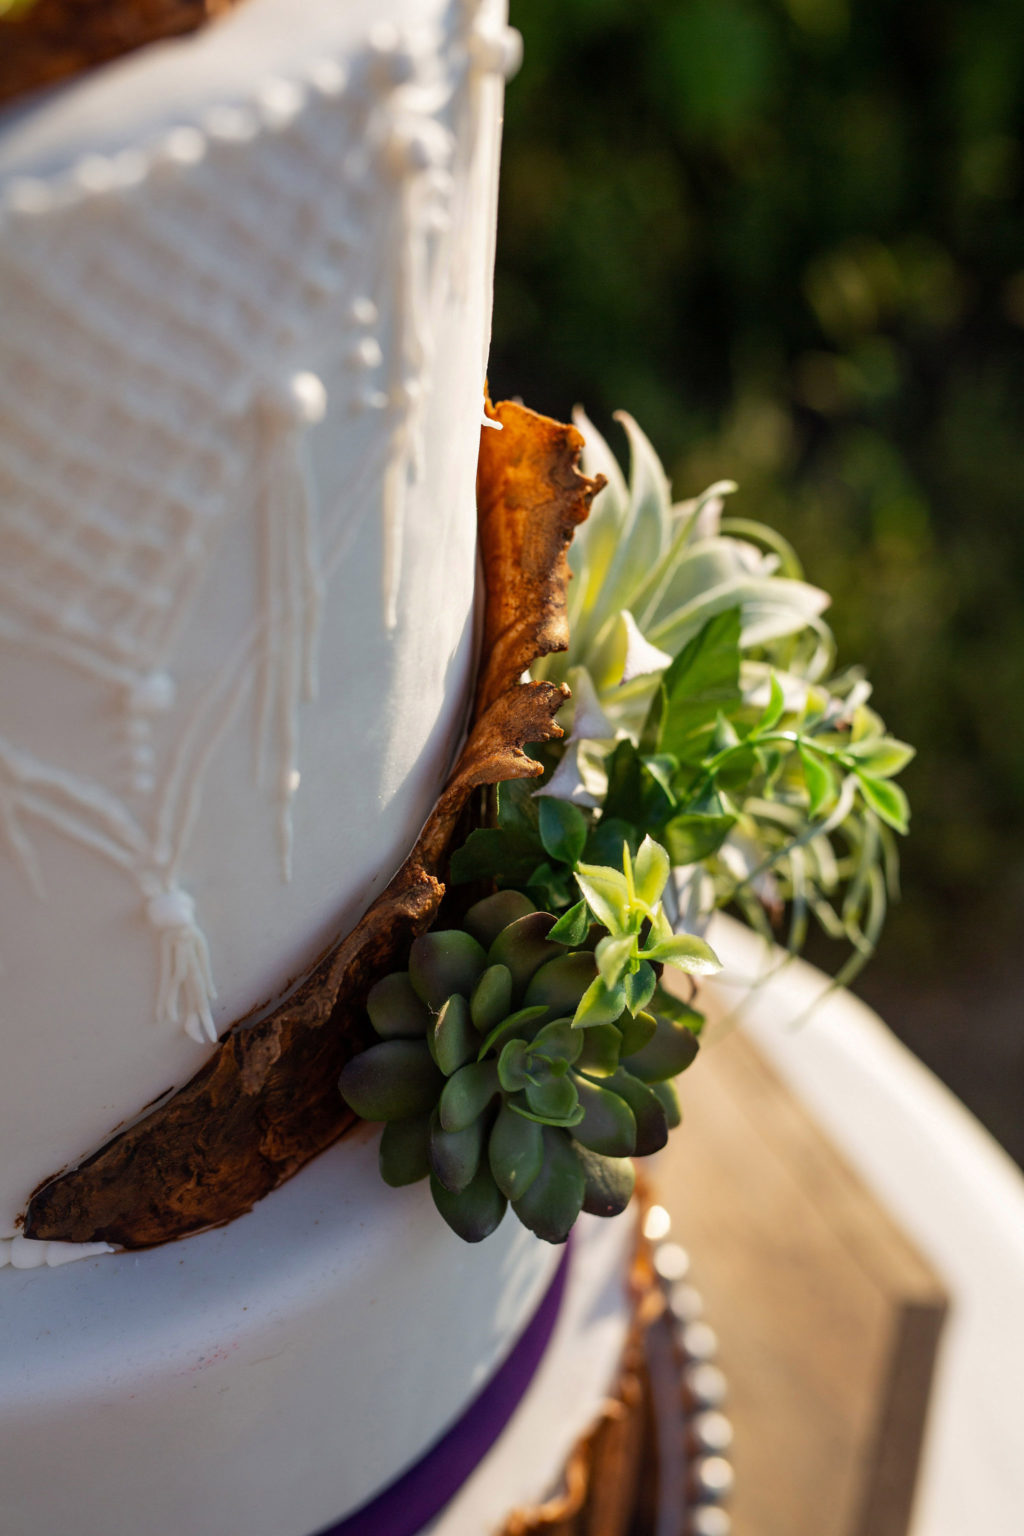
(405, 1506)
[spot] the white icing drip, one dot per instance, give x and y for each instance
(30, 1253)
(292, 582)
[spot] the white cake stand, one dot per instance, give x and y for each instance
(955, 1192)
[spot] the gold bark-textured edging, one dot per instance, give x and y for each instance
(43, 41)
(267, 1100)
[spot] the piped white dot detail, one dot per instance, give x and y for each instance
(281, 101)
(231, 125)
(153, 694)
(171, 909)
(300, 399)
(183, 147)
(364, 311)
(496, 49)
(367, 353)
(95, 174)
(328, 77)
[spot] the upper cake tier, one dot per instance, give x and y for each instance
(244, 310)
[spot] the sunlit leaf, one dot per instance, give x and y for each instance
(882, 758)
(774, 709)
(606, 893)
(613, 955)
(599, 1004)
(651, 869)
(888, 800)
(639, 986)
(820, 780)
(687, 953)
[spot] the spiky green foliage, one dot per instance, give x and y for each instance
(704, 713)
(529, 1072)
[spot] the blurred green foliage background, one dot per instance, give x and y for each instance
(788, 236)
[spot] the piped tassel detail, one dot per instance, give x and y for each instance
(185, 988)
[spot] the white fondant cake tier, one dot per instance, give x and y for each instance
(575, 1379)
(267, 1378)
(244, 309)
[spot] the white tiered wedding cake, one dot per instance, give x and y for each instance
(244, 311)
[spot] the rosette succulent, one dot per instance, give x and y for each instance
(522, 1060)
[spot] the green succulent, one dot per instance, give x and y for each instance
(526, 1057)
(498, 1085)
(704, 712)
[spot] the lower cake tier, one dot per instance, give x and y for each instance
(278, 1376)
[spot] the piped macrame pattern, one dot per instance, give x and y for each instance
(155, 384)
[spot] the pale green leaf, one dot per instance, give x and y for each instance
(887, 800)
(599, 1004)
(639, 986)
(773, 710)
(820, 781)
(651, 870)
(687, 953)
(613, 956)
(606, 893)
(881, 758)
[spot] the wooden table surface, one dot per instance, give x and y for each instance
(828, 1318)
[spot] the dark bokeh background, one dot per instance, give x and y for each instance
(788, 236)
